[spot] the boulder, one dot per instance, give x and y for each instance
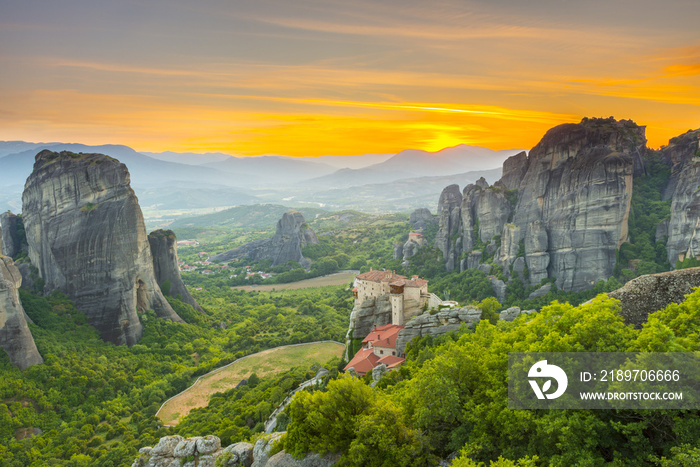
(261, 450)
(377, 373)
(646, 294)
(208, 445)
(239, 454)
(509, 314)
(542, 291)
(499, 288)
(166, 446)
(185, 448)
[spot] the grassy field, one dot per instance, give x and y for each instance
(265, 363)
(339, 278)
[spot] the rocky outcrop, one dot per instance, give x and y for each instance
(647, 294)
(291, 236)
(409, 249)
(437, 324)
(448, 239)
(514, 169)
(15, 337)
(541, 292)
(421, 218)
(164, 251)
(509, 314)
(563, 208)
(176, 451)
(10, 239)
(369, 313)
(87, 237)
(683, 228)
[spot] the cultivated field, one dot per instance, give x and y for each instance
(339, 278)
(265, 363)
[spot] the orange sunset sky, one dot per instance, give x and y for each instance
(327, 77)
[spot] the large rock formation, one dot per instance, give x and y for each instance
(367, 314)
(15, 337)
(646, 294)
(683, 229)
(448, 239)
(292, 235)
(563, 208)
(10, 241)
(87, 237)
(421, 218)
(164, 251)
(442, 322)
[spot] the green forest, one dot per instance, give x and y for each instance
(93, 403)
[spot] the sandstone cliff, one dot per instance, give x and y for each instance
(291, 236)
(683, 229)
(15, 337)
(87, 237)
(164, 251)
(563, 208)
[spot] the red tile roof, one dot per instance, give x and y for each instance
(381, 333)
(380, 276)
(409, 283)
(363, 362)
(390, 361)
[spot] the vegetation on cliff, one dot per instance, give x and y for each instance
(451, 396)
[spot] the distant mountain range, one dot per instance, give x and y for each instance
(171, 180)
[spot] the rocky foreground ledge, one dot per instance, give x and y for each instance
(176, 451)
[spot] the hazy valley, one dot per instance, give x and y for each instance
(104, 322)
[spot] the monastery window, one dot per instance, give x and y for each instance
(381, 352)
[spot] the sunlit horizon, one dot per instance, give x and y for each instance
(328, 78)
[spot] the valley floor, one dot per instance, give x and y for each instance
(266, 363)
(339, 278)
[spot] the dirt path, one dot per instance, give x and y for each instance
(265, 363)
